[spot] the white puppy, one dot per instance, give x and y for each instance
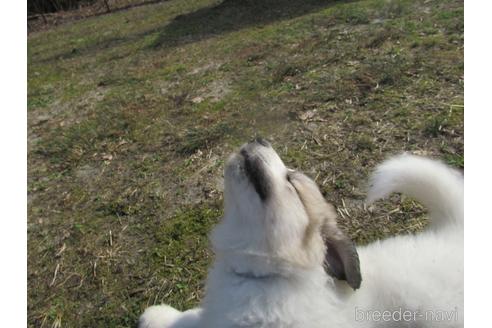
(278, 236)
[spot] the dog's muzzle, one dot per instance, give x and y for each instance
(254, 166)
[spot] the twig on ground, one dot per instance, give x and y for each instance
(55, 274)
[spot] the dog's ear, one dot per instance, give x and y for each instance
(341, 259)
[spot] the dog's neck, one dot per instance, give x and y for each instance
(252, 275)
(254, 266)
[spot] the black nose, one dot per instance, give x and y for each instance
(262, 142)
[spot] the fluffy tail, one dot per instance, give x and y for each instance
(430, 182)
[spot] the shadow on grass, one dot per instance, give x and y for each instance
(226, 16)
(233, 15)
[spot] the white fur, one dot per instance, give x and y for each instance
(431, 182)
(421, 272)
(163, 316)
(264, 275)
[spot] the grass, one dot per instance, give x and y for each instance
(131, 117)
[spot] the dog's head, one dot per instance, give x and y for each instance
(279, 213)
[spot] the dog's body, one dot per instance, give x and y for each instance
(419, 273)
(277, 231)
